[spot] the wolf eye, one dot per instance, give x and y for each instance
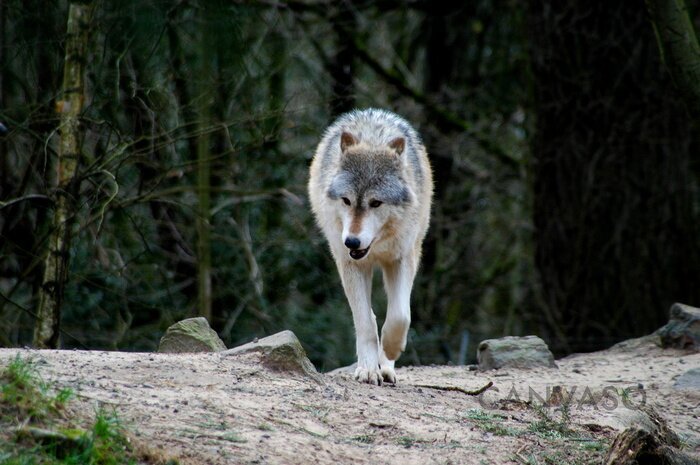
(346, 201)
(375, 203)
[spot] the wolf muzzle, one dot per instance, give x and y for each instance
(353, 244)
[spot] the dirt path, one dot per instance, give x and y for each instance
(214, 409)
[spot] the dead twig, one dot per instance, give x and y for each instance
(520, 457)
(475, 392)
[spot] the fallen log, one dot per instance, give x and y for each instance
(648, 442)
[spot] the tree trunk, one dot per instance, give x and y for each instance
(342, 68)
(679, 48)
(2, 57)
(274, 212)
(613, 195)
(46, 329)
(204, 297)
(3, 157)
(203, 220)
(442, 58)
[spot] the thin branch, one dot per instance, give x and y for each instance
(250, 194)
(7, 299)
(5, 204)
(475, 392)
(246, 242)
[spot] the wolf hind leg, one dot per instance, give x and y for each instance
(357, 282)
(398, 281)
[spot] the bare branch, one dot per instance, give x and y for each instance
(7, 203)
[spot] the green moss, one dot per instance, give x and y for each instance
(33, 431)
(24, 394)
(364, 438)
(491, 422)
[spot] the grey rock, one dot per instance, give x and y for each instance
(282, 352)
(190, 335)
(689, 380)
(350, 369)
(633, 345)
(683, 328)
(514, 352)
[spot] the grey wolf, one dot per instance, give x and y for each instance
(371, 187)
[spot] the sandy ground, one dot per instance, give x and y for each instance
(216, 409)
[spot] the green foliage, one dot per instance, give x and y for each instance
(546, 426)
(407, 441)
(491, 422)
(107, 444)
(561, 441)
(549, 427)
(365, 439)
(24, 394)
(33, 430)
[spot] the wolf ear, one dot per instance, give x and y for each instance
(346, 140)
(398, 145)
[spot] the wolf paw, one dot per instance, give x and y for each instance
(388, 374)
(386, 368)
(367, 375)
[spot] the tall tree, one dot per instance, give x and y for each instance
(679, 47)
(204, 296)
(342, 66)
(204, 289)
(46, 332)
(613, 211)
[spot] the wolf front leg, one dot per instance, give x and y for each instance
(357, 282)
(398, 282)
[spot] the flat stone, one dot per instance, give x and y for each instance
(683, 328)
(281, 351)
(190, 335)
(346, 370)
(514, 352)
(689, 380)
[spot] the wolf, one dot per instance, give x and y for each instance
(371, 188)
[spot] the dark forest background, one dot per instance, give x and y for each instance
(566, 166)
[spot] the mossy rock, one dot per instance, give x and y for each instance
(514, 352)
(190, 335)
(281, 352)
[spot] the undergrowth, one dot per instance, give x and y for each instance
(24, 395)
(558, 441)
(35, 428)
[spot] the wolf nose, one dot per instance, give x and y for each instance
(352, 243)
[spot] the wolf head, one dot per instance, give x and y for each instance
(371, 191)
